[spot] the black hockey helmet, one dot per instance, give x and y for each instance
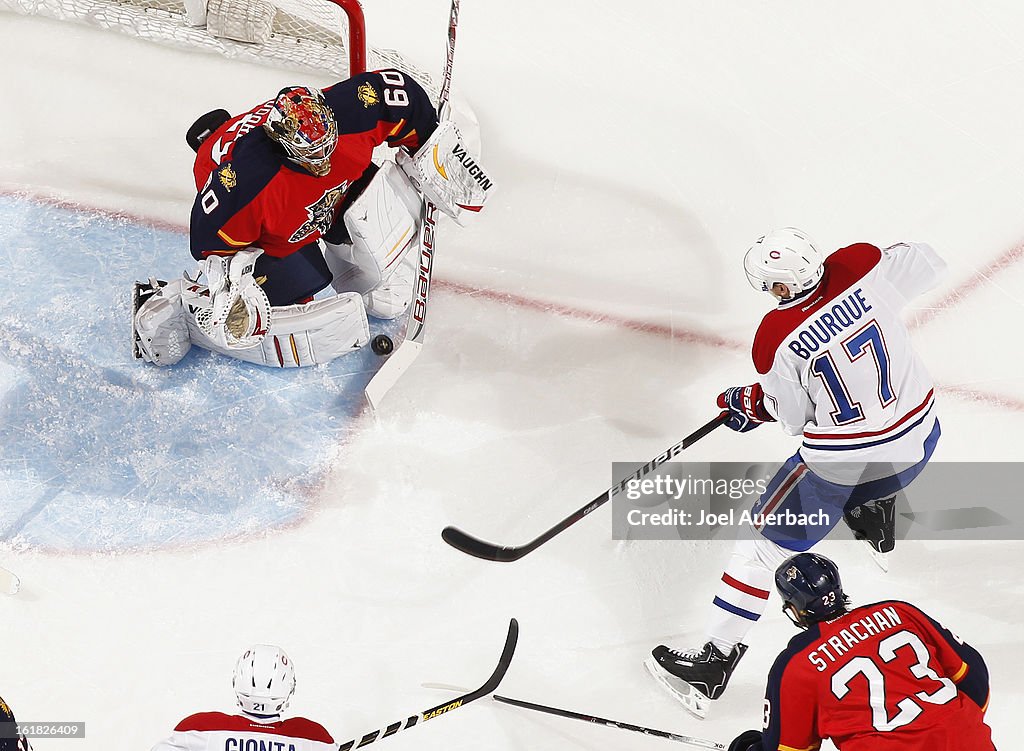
(811, 589)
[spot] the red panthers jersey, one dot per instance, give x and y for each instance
(884, 676)
(249, 193)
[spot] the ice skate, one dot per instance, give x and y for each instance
(141, 291)
(694, 677)
(875, 524)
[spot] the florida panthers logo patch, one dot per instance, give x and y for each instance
(367, 95)
(321, 213)
(228, 177)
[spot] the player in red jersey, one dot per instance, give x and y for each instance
(880, 676)
(290, 202)
(836, 366)
(264, 683)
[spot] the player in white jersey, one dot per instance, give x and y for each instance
(835, 365)
(264, 683)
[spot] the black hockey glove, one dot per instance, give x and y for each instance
(748, 740)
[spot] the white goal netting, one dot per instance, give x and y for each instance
(308, 35)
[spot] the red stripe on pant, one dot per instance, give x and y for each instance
(788, 484)
(745, 588)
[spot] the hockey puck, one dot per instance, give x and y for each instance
(382, 345)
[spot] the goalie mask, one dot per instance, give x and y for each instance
(305, 126)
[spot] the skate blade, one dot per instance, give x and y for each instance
(881, 559)
(692, 700)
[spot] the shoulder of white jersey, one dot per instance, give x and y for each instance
(293, 727)
(843, 268)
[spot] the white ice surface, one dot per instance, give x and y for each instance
(639, 148)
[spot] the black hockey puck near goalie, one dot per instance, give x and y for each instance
(382, 345)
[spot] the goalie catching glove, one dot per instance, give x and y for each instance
(447, 174)
(239, 312)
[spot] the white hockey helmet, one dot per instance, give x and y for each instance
(787, 256)
(264, 680)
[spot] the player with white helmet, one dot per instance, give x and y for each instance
(785, 257)
(836, 366)
(264, 682)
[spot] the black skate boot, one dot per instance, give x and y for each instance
(694, 677)
(875, 523)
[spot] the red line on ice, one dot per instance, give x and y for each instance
(677, 333)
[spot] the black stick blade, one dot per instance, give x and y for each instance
(511, 639)
(478, 548)
(441, 709)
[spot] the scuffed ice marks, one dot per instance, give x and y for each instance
(101, 452)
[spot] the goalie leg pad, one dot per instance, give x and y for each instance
(160, 329)
(448, 174)
(300, 335)
(390, 299)
(383, 223)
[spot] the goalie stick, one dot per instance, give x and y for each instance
(448, 706)
(406, 352)
(689, 740)
(490, 552)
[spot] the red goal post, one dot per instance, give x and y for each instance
(356, 35)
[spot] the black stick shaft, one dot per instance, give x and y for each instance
(698, 742)
(446, 83)
(504, 553)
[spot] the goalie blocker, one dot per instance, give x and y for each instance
(447, 174)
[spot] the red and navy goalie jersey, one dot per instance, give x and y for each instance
(249, 193)
(884, 676)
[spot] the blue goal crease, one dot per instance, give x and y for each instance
(101, 452)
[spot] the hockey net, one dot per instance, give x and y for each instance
(323, 36)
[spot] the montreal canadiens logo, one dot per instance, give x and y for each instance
(774, 255)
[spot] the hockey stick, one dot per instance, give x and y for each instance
(406, 352)
(490, 552)
(448, 706)
(697, 742)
